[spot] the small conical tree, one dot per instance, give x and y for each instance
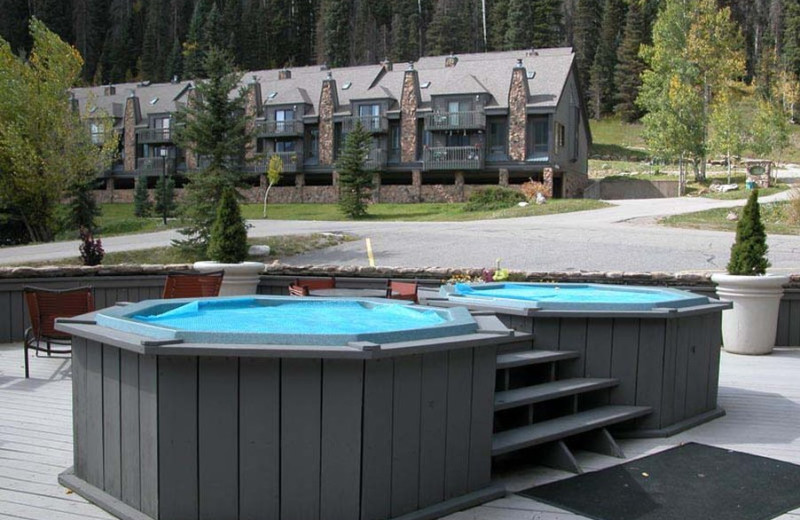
(749, 251)
(142, 206)
(164, 195)
(355, 180)
(228, 241)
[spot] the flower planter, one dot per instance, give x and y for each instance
(239, 279)
(749, 328)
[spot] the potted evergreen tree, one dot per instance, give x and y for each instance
(750, 326)
(227, 247)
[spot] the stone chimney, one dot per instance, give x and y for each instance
(328, 102)
(451, 61)
(252, 103)
(517, 112)
(409, 102)
(284, 74)
(109, 90)
(130, 118)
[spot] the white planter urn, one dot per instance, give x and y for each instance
(239, 279)
(750, 326)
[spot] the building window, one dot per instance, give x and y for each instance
(370, 116)
(498, 138)
(312, 139)
(539, 139)
(163, 124)
(394, 143)
(457, 140)
(283, 119)
(284, 146)
(98, 133)
(561, 136)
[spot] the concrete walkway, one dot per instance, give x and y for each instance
(623, 237)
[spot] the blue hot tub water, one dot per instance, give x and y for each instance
(576, 296)
(281, 320)
(309, 317)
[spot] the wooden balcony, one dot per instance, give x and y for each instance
(452, 158)
(154, 135)
(376, 160)
(372, 124)
(151, 165)
(289, 128)
(439, 121)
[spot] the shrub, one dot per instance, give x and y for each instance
(92, 252)
(531, 188)
(495, 197)
(355, 181)
(165, 195)
(82, 210)
(228, 241)
(749, 251)
(142, 206)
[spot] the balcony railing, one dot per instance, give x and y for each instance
(154, 135)
(473, 120)
(151, 165)
(372, 124)
(453, 158)
(376, 159)
(291, 127)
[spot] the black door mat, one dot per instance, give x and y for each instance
(691, 481)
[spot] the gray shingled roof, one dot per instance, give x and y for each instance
(477, 73)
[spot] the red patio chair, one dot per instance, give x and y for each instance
(316, 283)
(402, 291)
(44, 306)
(298, 290)
(192, 285)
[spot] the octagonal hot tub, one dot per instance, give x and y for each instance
(278, 407)
(661, 344)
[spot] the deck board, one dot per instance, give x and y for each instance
(760, 394)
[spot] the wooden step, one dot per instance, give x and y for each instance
(533, 357)
(548, 391)
(563, 427)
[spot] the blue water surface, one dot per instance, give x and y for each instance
(569, 293)
(308, 316)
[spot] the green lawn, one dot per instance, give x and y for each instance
(611, 138)
(423, 212)
(778, 219)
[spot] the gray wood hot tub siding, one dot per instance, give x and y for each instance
(669, 364)
(246, 438)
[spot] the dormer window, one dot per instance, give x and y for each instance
(370, 116)
(283, 119)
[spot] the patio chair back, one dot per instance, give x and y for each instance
(312, 284)
(298, 290)
(402, 291)
(45, 305)
(193, 285)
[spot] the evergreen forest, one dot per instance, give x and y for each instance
(158, 40)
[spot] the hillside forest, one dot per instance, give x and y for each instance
(157, 40)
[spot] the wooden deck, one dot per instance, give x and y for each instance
(761, 396)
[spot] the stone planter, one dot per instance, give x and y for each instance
(239, 278)
(749, 328)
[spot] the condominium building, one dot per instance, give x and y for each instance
(440, 126)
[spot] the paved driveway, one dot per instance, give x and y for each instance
(621, 238)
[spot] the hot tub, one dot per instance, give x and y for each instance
(661, 344)
(277, 407)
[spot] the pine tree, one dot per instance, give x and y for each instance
(749, 251)
(82, 210)
(586, 24)
(601, 80)
(405, 31)
(164, 195)
(142, 206)
(195, 46)
(336, 32)
(498, 24)
(628, 72)
(175, 62)
(448, 28)
(518, 25)
(228, 241)
(547, 28)
(211, 127)
(231, 24)
(354, 180)
(791, 36)
(153, 64)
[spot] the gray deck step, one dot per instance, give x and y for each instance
(563, 427)
(548, 391)
(533, 357)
